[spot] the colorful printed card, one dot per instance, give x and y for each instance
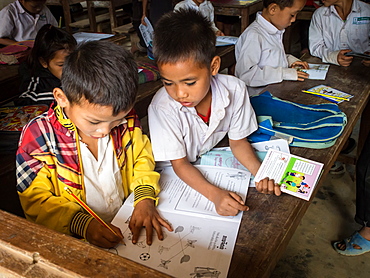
(296, 175)
(330, 93)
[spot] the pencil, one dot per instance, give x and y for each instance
(91, 212)
(60, 22)
(329, 96)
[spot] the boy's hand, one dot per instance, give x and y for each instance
(344, 60)
(300, 65)
(100, 236)
(366, 62)
(302, 75)
(227, 203)
(219, 33)
(268, 186)
(146, 215)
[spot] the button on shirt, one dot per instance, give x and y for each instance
(102, 179)
(177, 131)
(205, 8)
(17, 24)
(329, 33)
(260, 55)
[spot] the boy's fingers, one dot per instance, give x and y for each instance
(165, 224)
(149, 234)
(277, 190)
(237, 203)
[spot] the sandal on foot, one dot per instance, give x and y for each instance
(350, 146)
(351, 242)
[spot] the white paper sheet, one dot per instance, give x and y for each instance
(85, 37)
(202, 242)
(147, 31)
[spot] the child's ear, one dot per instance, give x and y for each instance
(273, 8)
(215, 65)
(43, 63)
(60, 97)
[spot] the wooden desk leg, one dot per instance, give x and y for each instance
(91, 14)
(113, 17)
(245, 19)
(67, 15)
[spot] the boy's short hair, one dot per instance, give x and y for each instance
(184, 34)
(102, 73)
(281, 3)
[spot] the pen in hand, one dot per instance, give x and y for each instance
(92, 213)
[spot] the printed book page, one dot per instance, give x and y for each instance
(317, 71)
(202, 242)
(85, 37)
(147, 31)
(327, 91)
(223, 157)
(296, 175)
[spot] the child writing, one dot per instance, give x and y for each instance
(338, 27)
(204, 7)
(91, 142)
(197, 107)
(42, 71)
(22, 19)
(259, 52)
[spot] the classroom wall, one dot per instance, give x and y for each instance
(3, 3)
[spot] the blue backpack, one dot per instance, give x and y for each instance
(310, 126)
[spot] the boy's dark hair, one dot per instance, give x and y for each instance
(102, 73)
(49, 39)
(282, 3)
(184, 34)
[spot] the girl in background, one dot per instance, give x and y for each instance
(42, 71)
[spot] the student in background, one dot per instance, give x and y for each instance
(359, 242)
(259, 52)
(197, 107)
(42, 71)
(156, 10)
(338, 27)
(91, 142)
(204, 7)
(22, 19)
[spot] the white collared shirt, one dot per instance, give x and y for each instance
(177, 131)
(205, 8)
(260, 55)
(328, 33)
(17, 24)
(102, 179)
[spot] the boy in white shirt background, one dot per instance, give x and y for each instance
(204, 7)
(22, 19)
(197, 107)
(259, 52)
(338, 27)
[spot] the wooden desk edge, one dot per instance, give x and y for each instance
(66, 255)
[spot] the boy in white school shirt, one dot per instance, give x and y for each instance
(197, 107)
(259, 52)
(338, 27)
(22, 19)
(204, 7)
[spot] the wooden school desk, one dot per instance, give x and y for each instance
(238, 8)
(264, 232)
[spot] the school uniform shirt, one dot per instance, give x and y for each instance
(260, 55)
(177, 131)
(17, 24)
(328, 33)
(205, 8)
(103, 180)
(36, 88)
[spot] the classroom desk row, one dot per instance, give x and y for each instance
(265, 229)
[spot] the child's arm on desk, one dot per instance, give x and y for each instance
(227, 203)
(245, 154)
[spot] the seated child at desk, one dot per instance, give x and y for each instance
(90, 142)
(42, 71)
(338, 27)
(259, 52)
(22, 19)
(204, 7)
(197, 107)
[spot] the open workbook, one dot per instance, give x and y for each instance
(202, 242)
(296, 175)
